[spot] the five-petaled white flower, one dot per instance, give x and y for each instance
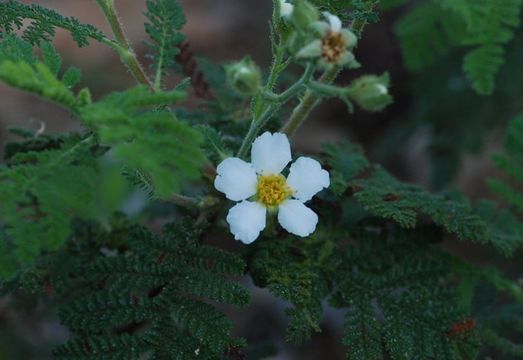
(334, 45)
(267, 189)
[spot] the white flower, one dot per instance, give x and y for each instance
(286, 9)
(267, 189)
(334, 45)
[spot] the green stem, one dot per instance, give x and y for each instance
(307, 104)
(293, 90)
(275, 70)
(276, 102)
(255, 128)
(122, 44)
(184, 201)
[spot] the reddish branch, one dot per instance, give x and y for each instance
(190, 68)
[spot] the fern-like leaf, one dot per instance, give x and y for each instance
(21, 69)
(166, 149)
(166, 18)
(43, 24)
(155, 301)
(42, 191)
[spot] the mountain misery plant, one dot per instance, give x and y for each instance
(367, 243)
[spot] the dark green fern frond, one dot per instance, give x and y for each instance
(154, 142)
(155, 301)
(42, 191)
(426, 33)
(397, 301)
(382, 195)
(431, 29)
(512, 164)
(43, 24)
(166, 18)
(296, 271)
(344, 167)
(490, 25)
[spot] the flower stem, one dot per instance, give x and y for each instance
(307, 104)
(122, 44)
(184, 201)
(275, 102)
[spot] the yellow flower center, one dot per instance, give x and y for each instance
(273, 190)
(333, 46)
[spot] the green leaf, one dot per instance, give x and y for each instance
(20, 68)
(362, 332)
(166, 18)
(43, 23)
(147, 137)
(165, 283)
(71, 77)
(42, 191)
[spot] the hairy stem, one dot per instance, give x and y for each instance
(184, 201)
(122, 44)
(275, 102)
(307, 104)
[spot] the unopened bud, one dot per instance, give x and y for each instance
(371, 92)
(244, 76)
(286, 8)
(304, 14)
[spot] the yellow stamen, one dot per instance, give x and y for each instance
(273, 190)
(333, 46)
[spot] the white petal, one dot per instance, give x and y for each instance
(307, 178)
(270, 153)
(349, 38)
(297, 218)
(236, 178)
(312, 50)
(286, 9)
(247, 220)
(334, 21)
(320, 28)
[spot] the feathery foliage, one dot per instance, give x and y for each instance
(43, 189)
(512, 164)
(398, 302)
(394, 291)
(43, 24)
(383, 196)
(154, 300)
(166, 146)
(432, 28)
(21, 69)
(166, 18)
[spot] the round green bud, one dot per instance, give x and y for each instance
(244, 76)
(304, 14)
(371, 92)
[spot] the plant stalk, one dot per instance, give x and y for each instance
(122, 44)
(307, 104)
(276, 101)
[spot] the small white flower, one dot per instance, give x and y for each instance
(334, 44)
(286, 9)
(267, 189)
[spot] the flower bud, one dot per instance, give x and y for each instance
(286, 9)
(304, 14)
(371, 92)
(244, 76)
